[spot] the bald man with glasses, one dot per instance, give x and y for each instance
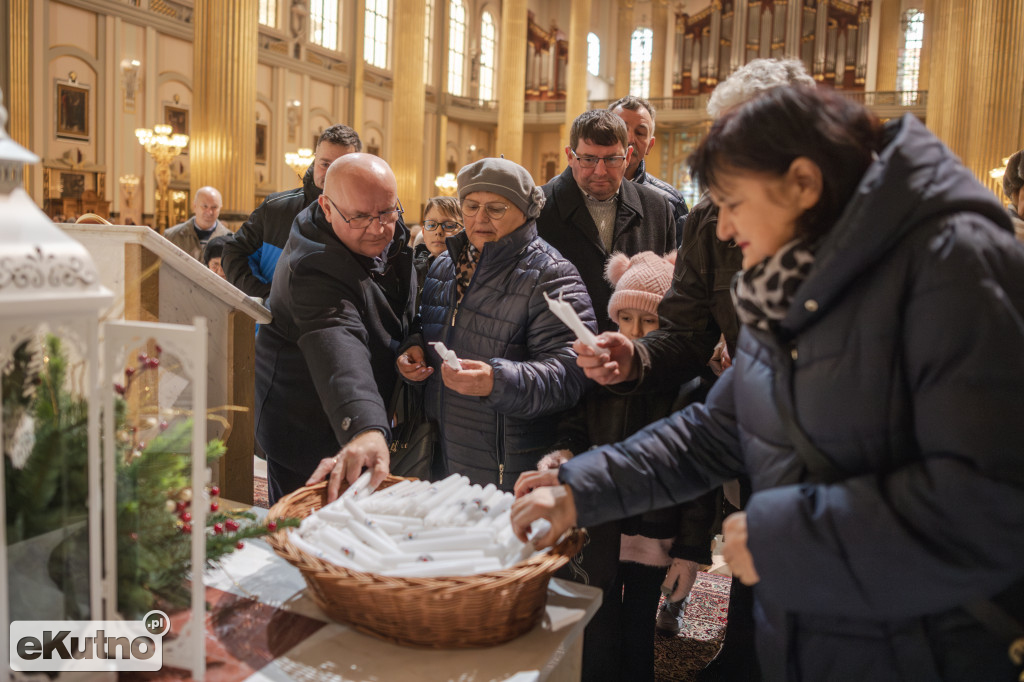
(591, 213)
(343, 297)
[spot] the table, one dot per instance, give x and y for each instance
(337, 653)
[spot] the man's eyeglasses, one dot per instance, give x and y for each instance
(449, 226)
(591, 161)
(494, 210)
(362, 222)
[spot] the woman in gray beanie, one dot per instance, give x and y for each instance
(484, 299)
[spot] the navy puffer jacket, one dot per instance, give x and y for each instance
(504, 320)
(904, 350)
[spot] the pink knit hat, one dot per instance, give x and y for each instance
(640, 282)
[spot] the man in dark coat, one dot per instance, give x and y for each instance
(342, 301)
(638, 115)
(250, 256)
(591, 213)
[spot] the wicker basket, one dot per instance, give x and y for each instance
(445, 613)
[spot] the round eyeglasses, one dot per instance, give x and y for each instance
(449, 226)
(494, 210)
(362, 222)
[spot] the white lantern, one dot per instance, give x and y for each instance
(48, 286)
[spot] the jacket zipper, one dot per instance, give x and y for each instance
(500, 446)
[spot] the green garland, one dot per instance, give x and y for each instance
(47, 487)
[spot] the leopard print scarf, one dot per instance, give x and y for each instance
(762, 294)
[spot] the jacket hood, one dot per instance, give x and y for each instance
(915, 179)
(311, 191)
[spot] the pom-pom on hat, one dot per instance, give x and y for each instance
(640, 282)
(505, 178)
(1013, 177)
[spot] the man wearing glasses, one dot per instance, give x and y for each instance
(638, 115)
(342, 298)
(591, 213)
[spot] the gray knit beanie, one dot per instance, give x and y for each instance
(1013, 178)
(505, 178)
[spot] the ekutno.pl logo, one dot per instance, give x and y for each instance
(89, 645)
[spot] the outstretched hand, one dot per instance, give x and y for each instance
(554, 503)
(614, 365)
(367, 450)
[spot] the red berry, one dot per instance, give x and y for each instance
(186, 528)
(158, 349)
(231, 525)
(142, 357)
(181, 506)
(215, 490)
(163, 425)
(218, 528)
(271, 525)
(135, 537)
(214, 506)
(239, 545)
(185, 516)
(119, 389)
(129, 371)
(152, 362)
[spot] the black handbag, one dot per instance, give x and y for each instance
(415, 446)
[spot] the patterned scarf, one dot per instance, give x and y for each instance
(465, 266)
(763, 293)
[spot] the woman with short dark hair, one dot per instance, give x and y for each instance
(874, 401)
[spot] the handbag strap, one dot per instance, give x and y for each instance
(993, 617)
(820, 466)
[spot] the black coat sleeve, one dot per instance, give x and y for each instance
(245, 242)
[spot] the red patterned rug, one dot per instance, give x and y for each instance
(259, 493)
(680, 658)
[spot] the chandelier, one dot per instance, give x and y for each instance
(299, 161)
(163, 144)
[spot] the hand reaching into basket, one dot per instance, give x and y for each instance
(554, 503)
(367, 450)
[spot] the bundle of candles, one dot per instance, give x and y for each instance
(417, 529)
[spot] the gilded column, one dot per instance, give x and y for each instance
(576, 93)
(408, 106)
(223, 144)
(660, 28)
(622, 47)
(17, 99)
(356, 112)
(512, 84)
(890, 38)
(949, 102)
(993, 94)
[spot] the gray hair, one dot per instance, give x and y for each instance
(750, 80)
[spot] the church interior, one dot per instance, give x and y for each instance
(431, 86)
(134, 105)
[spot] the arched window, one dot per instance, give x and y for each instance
(268, 13)
(908, 70)
(488, 54)
(640, 62)
(323, 23)
(375, 34)
(428, 52)
(593, 54)
(457, 48)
